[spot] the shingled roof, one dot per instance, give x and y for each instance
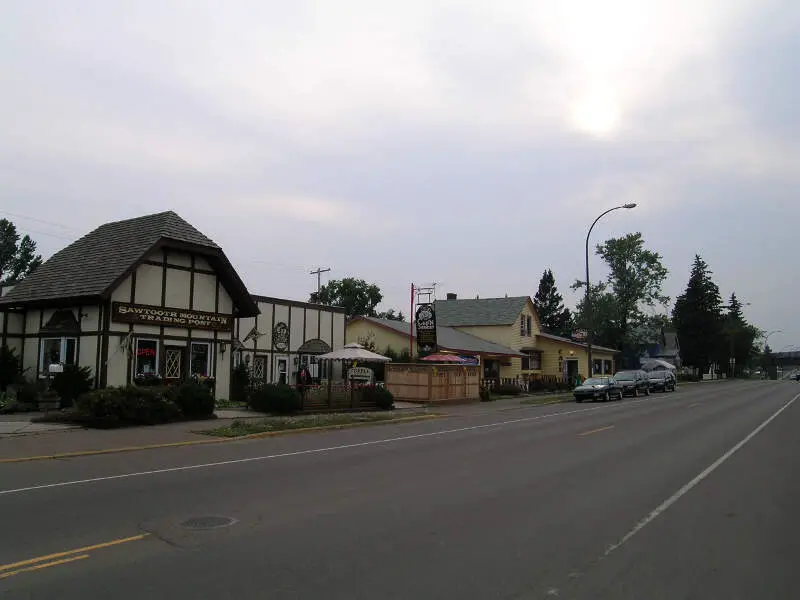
(483, 311)
(92, 266)
(449, 338)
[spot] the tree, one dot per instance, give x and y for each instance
(549, 306)
(635, 280)
(698, 318)
(739, 341)
(356, 296)
(392, 315)
(18, 257)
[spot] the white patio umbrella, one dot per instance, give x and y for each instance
(354, 351)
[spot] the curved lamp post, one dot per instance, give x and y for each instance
(766, 339)
(587, 302)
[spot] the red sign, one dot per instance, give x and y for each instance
(146, 352)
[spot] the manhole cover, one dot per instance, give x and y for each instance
(207, 522)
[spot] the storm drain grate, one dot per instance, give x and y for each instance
(207, 522)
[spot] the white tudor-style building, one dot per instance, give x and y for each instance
(154, 296)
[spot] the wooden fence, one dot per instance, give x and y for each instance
(433, 383)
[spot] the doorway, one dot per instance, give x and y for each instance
(282, 369)
(572, 370)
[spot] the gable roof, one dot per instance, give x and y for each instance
(558, 338)
(447, 337)
(95, 264)
(483, 311)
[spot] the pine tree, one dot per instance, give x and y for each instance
(698, 318)
(549, 305)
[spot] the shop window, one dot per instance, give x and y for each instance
(200, 362)
(608, 367)
(597, 367)
(146, 357)
(55, 351)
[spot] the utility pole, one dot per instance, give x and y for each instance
(319, 273)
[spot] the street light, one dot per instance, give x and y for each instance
(766, 339)
(587, 302)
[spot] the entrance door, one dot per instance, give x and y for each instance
(173, 362)
(572, 371)
(282, 369)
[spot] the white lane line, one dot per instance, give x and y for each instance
(303, 452)
(688, 487)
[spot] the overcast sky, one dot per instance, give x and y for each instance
(467, 143)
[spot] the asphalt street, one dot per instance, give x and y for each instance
(682, 495)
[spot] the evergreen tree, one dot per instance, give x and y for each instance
(549, 304)
(698, 318)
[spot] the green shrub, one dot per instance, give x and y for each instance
(71, 383)
(507, 389)
(485, 395)
(10, 367)
(151, 379)
(278, 398)
(379, 396)
(127, 406)
(30, 392)
(194, 399)
(240, 383)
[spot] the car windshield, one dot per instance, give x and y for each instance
(596, 381)
(624, 377)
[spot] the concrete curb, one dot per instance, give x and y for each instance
(217, 440)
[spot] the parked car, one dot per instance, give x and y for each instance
(661, 381)
(597, 388)
(633, 382)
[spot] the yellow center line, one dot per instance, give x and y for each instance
(59, 555)
(596, 430)
(43, 566)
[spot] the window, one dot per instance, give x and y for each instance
(607, 367)
(146, 357)
(522, 325)
(532, 361)
(200, 362)
(530, 323)
(57, 350)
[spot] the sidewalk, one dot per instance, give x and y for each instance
(19, 438)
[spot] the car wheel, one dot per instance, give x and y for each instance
(578, 400)
(619, 396)
(635, 392)
(607, 397)
(647, 391)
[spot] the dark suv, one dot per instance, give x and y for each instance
(633, 383)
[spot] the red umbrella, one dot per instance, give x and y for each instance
(449, 358)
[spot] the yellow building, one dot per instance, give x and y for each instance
(503, 334)
(513, 322)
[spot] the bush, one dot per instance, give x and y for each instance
(71, 383)
(240, 383)
(485, 395)
(112, 407)
(278, 398)
(194, 399)
(507, 389)
(382, 398)
(151, 379)
(10, 367)
(30, 392)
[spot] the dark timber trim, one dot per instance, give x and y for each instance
(98, 345)
(129, 362)
(297, 303)
(5, 328)
(156, 263)
(39, 346)
(272, 346)
(78, 341)
(188, 366)
(162, 357)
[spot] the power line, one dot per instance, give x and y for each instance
(319, 273)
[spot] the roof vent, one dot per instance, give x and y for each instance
(451, 296)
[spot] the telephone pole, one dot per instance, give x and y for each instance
(319, 273)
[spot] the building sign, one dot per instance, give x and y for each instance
(280, 337)
(579, 335)
(122, 312)
(426, 329)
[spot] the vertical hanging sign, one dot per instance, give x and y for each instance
(426, 329)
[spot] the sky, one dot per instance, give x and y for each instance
(465, 143)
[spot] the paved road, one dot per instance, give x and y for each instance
(601, 501)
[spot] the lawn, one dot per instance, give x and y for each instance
(241, 428)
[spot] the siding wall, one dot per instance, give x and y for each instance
(303, 321)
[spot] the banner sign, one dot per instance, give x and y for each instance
(145, 314)
(426, 329)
